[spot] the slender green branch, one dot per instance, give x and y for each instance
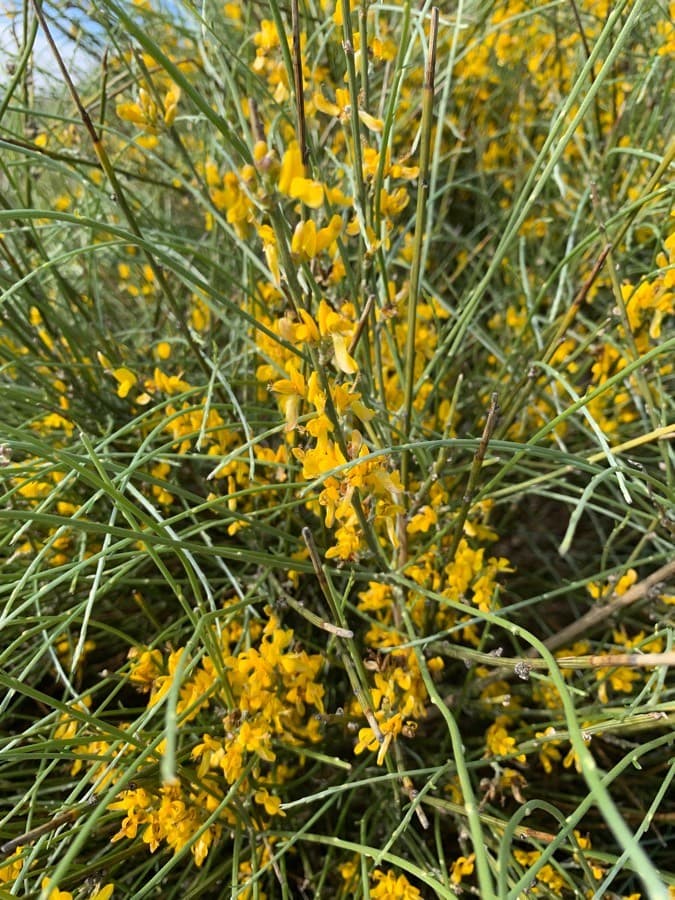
(420, 222)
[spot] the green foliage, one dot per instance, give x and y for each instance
(336, 364)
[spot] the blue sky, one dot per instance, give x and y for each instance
(11, 37)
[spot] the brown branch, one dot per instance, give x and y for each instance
(599, 614)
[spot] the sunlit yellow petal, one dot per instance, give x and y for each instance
(310, 192)
(370, 121)
(325, 106)
(125, 379)
(291, 167)
(303, 241)
(343, 360)
(130, 112)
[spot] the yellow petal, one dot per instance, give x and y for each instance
(310, 192)
(370, 121)
(325, 106)
(104, 894)
(170, 114)
(131, 112)
(311, 333)
(291, 167)
(343, 360)
(304, 239)
(125, 379)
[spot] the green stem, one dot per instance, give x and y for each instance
(354, 101)
(422, 192)
(475, 827)
(476, 466)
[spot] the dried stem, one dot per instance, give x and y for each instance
(600, 614)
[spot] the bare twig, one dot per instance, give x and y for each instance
(29, 836)
(599, 614)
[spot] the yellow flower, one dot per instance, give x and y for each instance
(11, 870)
(146, 667)
(336, 326)
(394, 203)
(462, 866)
(347, 543)
(585, 844)
(292, 180)
(366, 741)
(620, 678)
(105, 893)
(135, 803)
(548, 753)
(600, 591)
(53, 893)
(272, 804)
(292, 390)
(169, 384)
(552, 879)
(342, 109)
(125, 379)
(171, 99)
(498, 742)
(389, 886)
(307, 241)
(310, 192)
(422, 521)
(303, 242)
(573, 758)
(267, 38)
(269, 241)
(291, 167)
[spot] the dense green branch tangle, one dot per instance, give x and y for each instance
(336, 450)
